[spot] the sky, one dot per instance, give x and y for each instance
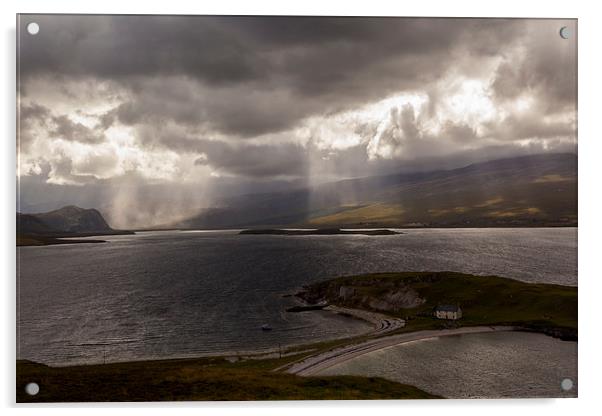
(151, 118)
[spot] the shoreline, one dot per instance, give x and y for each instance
(314, 364)
(319, 231)
(318, 358)
(357, 227)
(381, 324)
(377, 340)
(52, 241)
(393, 328)
(492, 301)
(40, 240)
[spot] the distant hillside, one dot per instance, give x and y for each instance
(66, 220)
(30, 224)
(538, 190)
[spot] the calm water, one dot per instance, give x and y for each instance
(169, 294)
(488, 365)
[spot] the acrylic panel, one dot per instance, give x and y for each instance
(295, 208)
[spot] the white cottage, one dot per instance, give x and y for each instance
(448, 312)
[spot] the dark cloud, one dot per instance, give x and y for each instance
(240, 48)
(33, 112)
(544, 67)
(67, 129)
(234, 110)
(35, 119)
(256, 74)
(123, 46)
(162, 102)
(259, 160)
(31, 117)
(241, 158)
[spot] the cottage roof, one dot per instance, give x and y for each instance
(448, 308)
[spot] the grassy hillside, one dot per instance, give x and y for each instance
(539, 190)
(489, 300)
(48, 228)
(197, 379)
(378, 213)
(69, 219)
(513, 192)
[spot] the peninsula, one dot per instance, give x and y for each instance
(404, 301)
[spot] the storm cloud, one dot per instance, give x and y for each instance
(188, 100)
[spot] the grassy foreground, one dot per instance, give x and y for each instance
(197, 379)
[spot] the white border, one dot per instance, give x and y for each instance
(590, 209)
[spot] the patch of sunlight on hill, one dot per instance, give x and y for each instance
(553, 178)
(368, 213)
(455, 210)
(490, 202)
(516, 212)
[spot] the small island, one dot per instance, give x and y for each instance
(319, 231)
(39, 240)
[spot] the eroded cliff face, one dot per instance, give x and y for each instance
(384, 297)
(395, 300)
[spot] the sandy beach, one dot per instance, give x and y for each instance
(313, 365)
(382, 323)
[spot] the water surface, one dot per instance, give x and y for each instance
(172, 294)
(487, 365)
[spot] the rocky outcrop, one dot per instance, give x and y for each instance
(389, 297)
(395, 300)
(346, 292)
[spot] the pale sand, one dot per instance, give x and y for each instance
(314, 364)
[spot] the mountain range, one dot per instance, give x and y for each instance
(537, 190)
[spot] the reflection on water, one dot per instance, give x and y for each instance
(487, 365)
(165, 294)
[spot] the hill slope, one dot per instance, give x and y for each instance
(66, 220)
(72, 219)
(538, 190)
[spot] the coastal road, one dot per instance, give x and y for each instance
(314, 364)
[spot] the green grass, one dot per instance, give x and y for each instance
(485, 300)
(197, 379)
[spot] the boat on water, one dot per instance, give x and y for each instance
(266, 327)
